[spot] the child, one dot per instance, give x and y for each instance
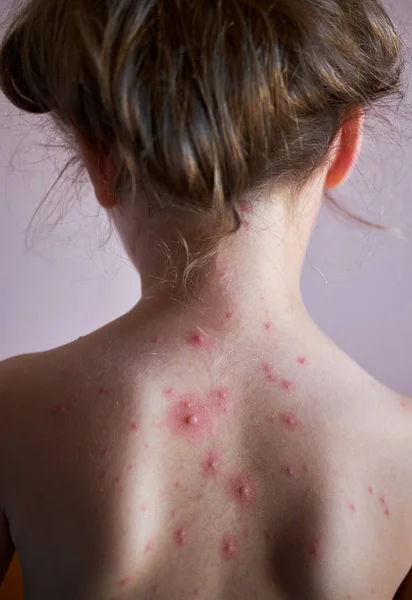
(212, 443)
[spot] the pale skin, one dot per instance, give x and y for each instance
(222, 448)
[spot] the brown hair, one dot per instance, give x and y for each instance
(202, 101)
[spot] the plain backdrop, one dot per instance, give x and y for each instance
(59, 283)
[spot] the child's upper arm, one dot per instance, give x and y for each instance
(6, 543)
(6, 546)
(405, 590)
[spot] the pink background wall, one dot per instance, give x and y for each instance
(357, 283)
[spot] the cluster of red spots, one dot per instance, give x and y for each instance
(222, 399)
(190, 418)
(385, 506)
(268, 326)
(210, 465)
(242, 489)
(285, 384)
(230, 546)
(270, 376)
(181, 536)
(149, 546)
(302, 360)
(315, 548)
(289, 420)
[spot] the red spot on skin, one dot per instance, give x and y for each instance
(181, 536)
(228, 315)
(242, 490)
(177, 484)
(246, 208)
(155, 340)
(135, 425)
(144, 507)
(382, 500)
(314, 548)
(190, 418)
(198, 340)
(286, 384)
(102, 390)
(149, 546)
(370, 490)
(196, 591)
(124, 581)
(210, 465)
(302, 360)
(268, 536)
(59, 410)
(69, 372)
(168, 392)
(289, 420)
(287, 470)
(246, 225)
(117, 479)
(348, 597)
(230, 548)
(387, 512)
(155, 587)
(372, 590)
(352, 507)
(268, 326)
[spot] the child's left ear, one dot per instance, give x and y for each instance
(101, 171)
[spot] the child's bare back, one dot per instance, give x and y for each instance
(212, 443)
(145, 462)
